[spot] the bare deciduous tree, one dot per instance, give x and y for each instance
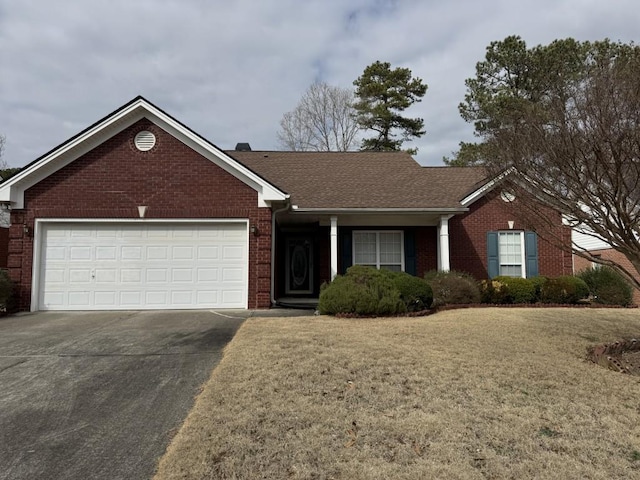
(577, 150)
(3, 163)
(323, 120)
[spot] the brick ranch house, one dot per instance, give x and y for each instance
(140, 212)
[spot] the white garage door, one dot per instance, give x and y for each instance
(92, 266)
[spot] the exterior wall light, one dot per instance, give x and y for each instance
(254, 230)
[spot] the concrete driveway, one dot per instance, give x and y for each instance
(97, 395)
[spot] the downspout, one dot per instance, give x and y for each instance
(273, 252)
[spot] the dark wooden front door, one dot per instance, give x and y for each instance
(299, 264)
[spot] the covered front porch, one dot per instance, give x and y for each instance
(311, 247)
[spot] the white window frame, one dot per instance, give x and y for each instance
(523, 257)
(377, 233)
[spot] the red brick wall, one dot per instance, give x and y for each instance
(426, 250)
(111, 181)
(468, 238)
(4, 247)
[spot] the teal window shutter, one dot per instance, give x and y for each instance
(531, 253)
(346, 255)
(493, 261)
(410, 252)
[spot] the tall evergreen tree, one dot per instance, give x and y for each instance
(382, 94)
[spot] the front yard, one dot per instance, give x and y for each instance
(476, 393)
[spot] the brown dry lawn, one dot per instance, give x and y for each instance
(463, 394)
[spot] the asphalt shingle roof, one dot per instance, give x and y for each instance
(329, 180)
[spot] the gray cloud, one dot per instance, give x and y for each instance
(229, 70)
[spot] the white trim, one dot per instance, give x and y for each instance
(416, 211)
(484, 189)
(37, 243)
(333, 242)
(523, 257)
(13, 189)
(444, 257)
(378, 232)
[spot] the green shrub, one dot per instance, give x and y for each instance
(518, 289)
(538, 282)
(607, 286)
(452, 288)
(564, 289)
(361, 291)
(6, 288)
(415, 292)
(494, 292)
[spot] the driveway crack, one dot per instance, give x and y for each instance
(13, 364)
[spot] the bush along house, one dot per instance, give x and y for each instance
(140, 212)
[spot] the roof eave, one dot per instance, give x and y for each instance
(373, 210)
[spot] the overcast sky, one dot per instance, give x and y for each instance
(230, 69)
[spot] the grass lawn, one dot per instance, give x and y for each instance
(463, 394)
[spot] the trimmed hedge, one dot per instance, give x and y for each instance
(452, 287)
(415, 292)
(508, 290)
(494, 292)
(607, 287)
(538, 282)
(361, 291)
(519, 290)
(564, 289)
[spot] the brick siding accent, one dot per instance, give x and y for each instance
(426, 250)
(110, 181)
(468, 238)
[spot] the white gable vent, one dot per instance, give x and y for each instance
(144, 140)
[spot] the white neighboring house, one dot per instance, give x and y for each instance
(599, 248)
(582, 240)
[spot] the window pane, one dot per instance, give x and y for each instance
(378, 249)
(393, 268)
(391, 248)
(364, 247)
(510, 253)
(511, 270)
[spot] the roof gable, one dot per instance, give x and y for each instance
(13, 189)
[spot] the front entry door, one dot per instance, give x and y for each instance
(299, 263)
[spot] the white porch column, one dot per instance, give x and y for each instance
(443, 244)
(333, 237)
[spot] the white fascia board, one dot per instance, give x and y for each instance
(13, 189)
(486, 188)
(417, 211)
(266, 191)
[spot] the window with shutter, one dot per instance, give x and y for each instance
(512, 254)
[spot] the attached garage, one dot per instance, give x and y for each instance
(137, 265)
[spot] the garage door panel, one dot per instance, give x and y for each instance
(232, 253)
(121, 266)
(80, 253)
(80, 299)
(106, 275)
(79, 275)
(105, 299)
(55, 253)
(157, 275)
(157, 253)
(105, 253)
